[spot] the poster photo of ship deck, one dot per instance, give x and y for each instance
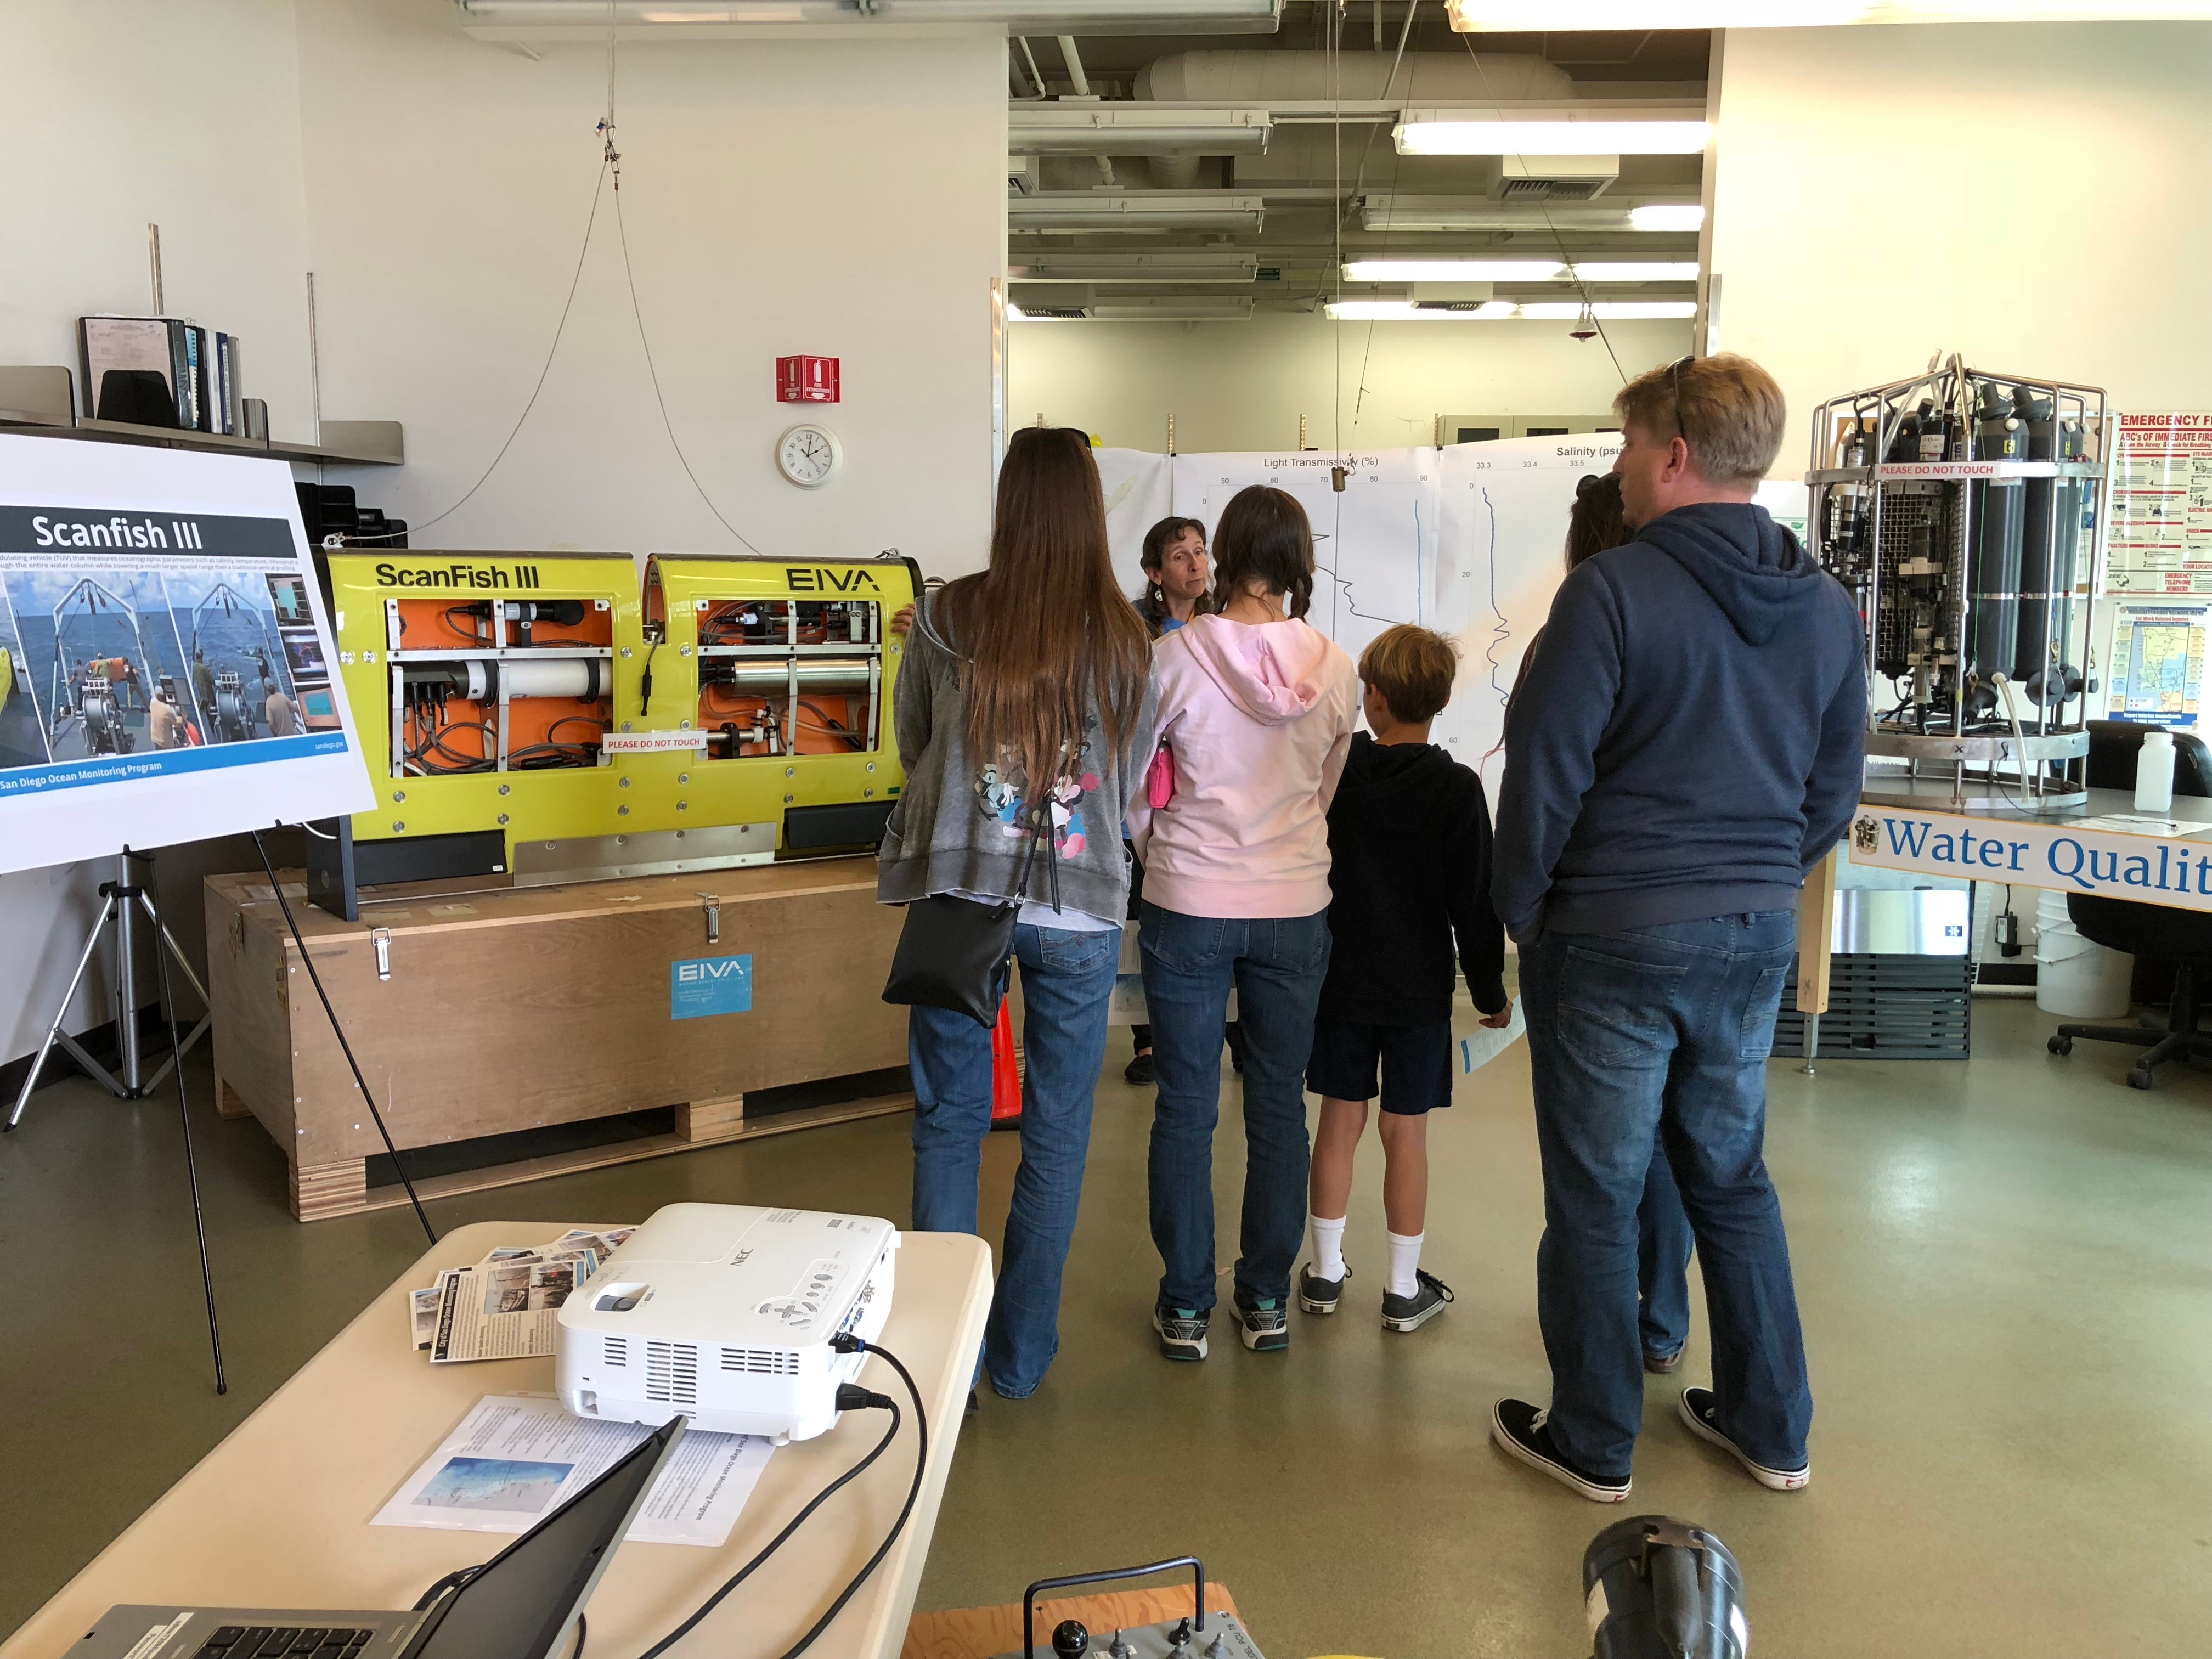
(107, 670)
(241, 684)
(23, 733)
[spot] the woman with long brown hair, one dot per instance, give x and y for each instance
(1256, 709)
(1025, 712)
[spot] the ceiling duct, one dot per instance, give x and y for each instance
(1261, 78)
(553, 21)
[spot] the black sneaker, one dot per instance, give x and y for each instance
(1317, 1295)
(1183, 1332)
(1140, 1070)
(1410, 1313)
(1519, 1431)
(1264, 1324)
(1697, 1408)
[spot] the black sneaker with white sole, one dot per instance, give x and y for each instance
(1317, 1295)
(1519, 1431)
(1698, 1409)
(1183, 1332)
(1263, 1324)
(1410, 1313)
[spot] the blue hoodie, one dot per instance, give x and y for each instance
(1690, 738)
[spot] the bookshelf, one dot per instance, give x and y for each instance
(29, 405)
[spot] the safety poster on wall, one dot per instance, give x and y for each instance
(165, 663)
(2161, 538)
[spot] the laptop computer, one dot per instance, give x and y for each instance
(523, 1604)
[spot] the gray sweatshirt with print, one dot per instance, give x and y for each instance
(956, 826)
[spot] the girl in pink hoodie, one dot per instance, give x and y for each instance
(1256, 712)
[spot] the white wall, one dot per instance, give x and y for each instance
(825, 197)
(1243, 386)
(2030, 195)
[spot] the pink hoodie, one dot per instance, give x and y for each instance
(1260, 718)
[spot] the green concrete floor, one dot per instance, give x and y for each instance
(2005, 1268)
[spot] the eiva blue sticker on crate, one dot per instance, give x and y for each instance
(710, 985)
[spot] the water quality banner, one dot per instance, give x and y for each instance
(2126, 856)
(165, 662)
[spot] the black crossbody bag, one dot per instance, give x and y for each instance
(953, 952)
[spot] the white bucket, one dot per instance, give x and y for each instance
(2077, 977)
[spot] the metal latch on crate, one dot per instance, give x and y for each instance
(381, 939)
(713, 903)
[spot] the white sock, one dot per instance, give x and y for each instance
(1405, 1256)
(1327, 1246)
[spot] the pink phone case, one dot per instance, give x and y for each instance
(1159, 778)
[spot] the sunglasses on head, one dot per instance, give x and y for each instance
(1674, 374)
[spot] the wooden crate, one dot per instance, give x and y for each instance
(528, 1007)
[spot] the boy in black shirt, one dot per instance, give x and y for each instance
(1409, 838)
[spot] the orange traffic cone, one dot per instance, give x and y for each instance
(1005, 1073)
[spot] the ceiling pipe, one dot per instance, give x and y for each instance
(1082, 84)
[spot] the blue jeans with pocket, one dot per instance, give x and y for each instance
(1067, 981)
(1659, 1037)
(1276, 965)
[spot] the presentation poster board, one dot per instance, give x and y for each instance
(165, 667)
(2155, 671)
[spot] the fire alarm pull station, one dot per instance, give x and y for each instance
(806, 379)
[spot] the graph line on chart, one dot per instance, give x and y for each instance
(1500, 633)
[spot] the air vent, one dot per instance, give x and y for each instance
(1047, 313)
(1467, 305)
(617, 1350)
(671, 1373)
(1551, 190)
(761, 1362)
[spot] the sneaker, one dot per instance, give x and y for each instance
(1138, 1071)
(1264, 1324)
(1659, 1364)
(1698, 1411)
(1410, 1313)
(1317, 1295)
(1183, 1332)
(1519, 1431)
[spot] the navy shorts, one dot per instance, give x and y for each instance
(1415, 1061)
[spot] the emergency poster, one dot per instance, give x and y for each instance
(2156, 672)
(2162, 539)
(165, 663)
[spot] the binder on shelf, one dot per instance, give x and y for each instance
(198, 367)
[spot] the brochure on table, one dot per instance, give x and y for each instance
(165, 667)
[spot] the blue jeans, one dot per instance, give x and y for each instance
(1277, 966)
(1067, 979)
(1639, 1040)
(1663, 1261)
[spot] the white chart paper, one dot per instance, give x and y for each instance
(516, 1458)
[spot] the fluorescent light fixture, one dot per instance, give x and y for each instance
(1639, 271)
(1160, 265)
(1611, 311)
(1072, 210)
(1464, 132)
(1687, 216)
(1451, 270)
(1404, 311)
(1035, 16)
(1134, 130)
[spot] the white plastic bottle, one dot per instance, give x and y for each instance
(2155, 773)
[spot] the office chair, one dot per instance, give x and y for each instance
(2159, 932)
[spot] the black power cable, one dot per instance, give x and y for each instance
(850, 1397)
(338, 1031)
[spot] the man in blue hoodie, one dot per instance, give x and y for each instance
(1687, 745)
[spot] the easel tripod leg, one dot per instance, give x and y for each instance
(61, 1015)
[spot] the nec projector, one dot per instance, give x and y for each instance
(723, 1313)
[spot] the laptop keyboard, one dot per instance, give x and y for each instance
(261, 1642)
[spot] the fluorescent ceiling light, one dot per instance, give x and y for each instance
(1687, 216)
(1451, 270)
(1134, 130)
(1070, 211)
(1475, 16)
(1161, 266)
(1639, 271)
(1462, 132)
(1404, 311)
(1038, 16)
(1611, 311)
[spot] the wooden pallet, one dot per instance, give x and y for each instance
(320, 1192)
